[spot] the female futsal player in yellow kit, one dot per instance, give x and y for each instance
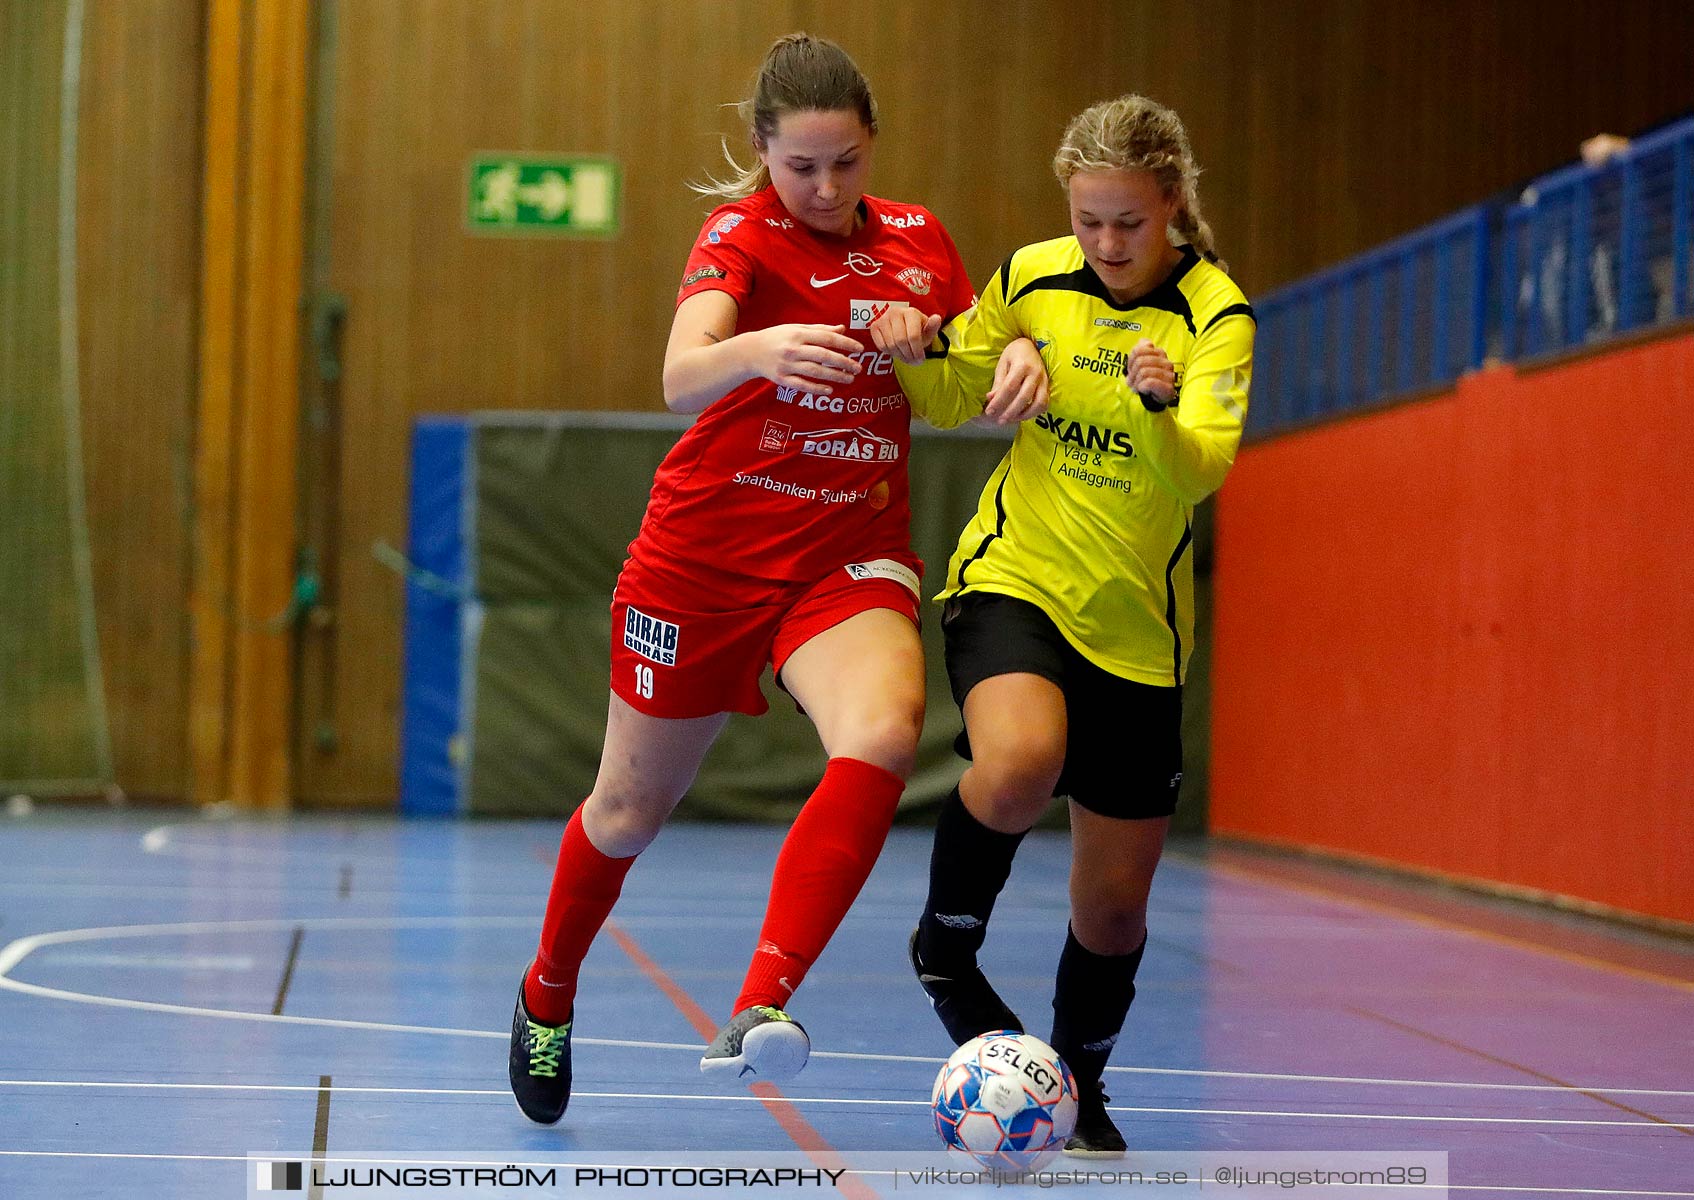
(1069, 610)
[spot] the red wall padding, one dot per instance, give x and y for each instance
(1459, 634)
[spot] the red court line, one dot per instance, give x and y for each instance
(1450, 913)
(1466, 1048)
(801, 1131)
(1382, 896)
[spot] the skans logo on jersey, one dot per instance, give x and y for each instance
(860, 445)
(862, 314)
(905, 221)
(723, 227)
(1088, 437)
(650, 637)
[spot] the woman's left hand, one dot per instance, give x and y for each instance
(1020, 385)
(1149, 373)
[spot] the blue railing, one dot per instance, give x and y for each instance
(1585, 254)
(1403, 317)
(1590, 253)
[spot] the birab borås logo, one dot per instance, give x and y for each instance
(650, 637)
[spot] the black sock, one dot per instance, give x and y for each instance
(1091, 997)
(967, 868)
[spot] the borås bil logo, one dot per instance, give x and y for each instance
(858, 444)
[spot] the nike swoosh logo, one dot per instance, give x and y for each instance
(935, 979)
(543, 981)
(816, 282)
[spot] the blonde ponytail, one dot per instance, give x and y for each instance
(1191, 227)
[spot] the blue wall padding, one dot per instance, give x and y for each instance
(431, 781)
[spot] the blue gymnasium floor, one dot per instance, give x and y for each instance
(176, 996)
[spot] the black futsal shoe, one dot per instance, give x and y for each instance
(539, 1065)
(965, 1001)
(759, 1042)
(1095, 1136)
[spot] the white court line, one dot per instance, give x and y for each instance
(160, 962)
(839, 1100)
(16, 951)
(159, 840)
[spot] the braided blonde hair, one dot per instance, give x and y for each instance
(1133, 133)
(800, 73)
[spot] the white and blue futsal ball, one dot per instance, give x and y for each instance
(1006, 1099)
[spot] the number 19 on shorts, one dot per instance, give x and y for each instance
(644, 681)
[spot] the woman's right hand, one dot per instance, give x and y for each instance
(1020, 384)
(811, 357)
(906, 333)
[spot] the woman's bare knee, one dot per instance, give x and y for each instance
(1013, 778)
(1108, 926)
(621, 824)
(1009, 802)
(1109, 909)
(886, 737)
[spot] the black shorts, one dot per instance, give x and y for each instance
(1123, 750)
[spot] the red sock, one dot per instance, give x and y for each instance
(585, 886)
(825, 860)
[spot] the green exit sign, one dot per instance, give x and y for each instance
(525, 194)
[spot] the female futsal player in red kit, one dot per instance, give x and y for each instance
(777, 532)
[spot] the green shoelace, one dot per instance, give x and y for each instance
(546, 1044)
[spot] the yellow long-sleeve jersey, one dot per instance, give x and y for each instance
(1090, 514)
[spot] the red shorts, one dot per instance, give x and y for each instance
(688, 641)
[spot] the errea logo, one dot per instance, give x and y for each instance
(862, 314)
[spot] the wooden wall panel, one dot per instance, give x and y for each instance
(1324, 128)
(1369, 120)
(138, 189)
